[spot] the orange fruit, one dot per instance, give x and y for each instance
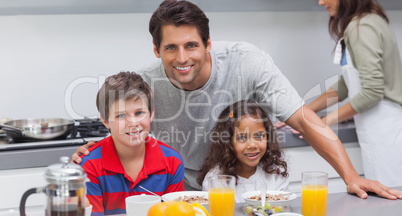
(159, 208)
(180, 208)
(199, 209)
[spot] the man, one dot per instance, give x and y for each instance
(195, 80)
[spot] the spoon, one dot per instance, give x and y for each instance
(163, 199)
(263, 193)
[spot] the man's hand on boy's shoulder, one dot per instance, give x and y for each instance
(82, 150)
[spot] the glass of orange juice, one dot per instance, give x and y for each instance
(314, 193)
(222, 195)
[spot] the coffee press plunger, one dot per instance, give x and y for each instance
(65, 190)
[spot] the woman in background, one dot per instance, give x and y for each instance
(371, 77)
(368, 53)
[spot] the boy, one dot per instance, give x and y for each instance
(120, 163)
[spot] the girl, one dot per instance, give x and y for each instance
(244, 145)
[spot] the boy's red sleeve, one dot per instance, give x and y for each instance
(176, 182)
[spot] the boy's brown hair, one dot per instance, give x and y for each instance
(124, 85)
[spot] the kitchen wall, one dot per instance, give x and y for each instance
(52, 65)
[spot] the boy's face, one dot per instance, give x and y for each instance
(129, 121)
(184, 56)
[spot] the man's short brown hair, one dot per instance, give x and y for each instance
(177, 13)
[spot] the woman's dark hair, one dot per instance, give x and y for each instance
(349, 10)
(222, 152)
(177, 13)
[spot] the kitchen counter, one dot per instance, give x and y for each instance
(38, 154)
(344, 204)
(301, 156)
(346, 132)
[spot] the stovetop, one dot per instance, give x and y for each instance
(83, 131)
(18, 155)
(85, 128)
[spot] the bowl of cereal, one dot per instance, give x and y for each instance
(200, 197)
(275, 198)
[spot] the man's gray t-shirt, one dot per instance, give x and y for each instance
(240, 71)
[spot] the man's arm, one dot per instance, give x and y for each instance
(327, 145)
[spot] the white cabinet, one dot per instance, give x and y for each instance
(305, 158)
(13, 184)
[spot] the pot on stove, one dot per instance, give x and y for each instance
(65, 190)
(38, 129)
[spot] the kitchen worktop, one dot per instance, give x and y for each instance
(345, 131)
(344, 204)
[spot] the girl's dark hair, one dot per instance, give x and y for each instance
(177, 13)
(222, 152)
(349, 10)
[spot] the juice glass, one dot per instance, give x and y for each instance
(314, 193)
(222, 195)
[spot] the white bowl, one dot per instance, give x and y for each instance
(88, 210)
(253, 202)
(174, 195)
(287, 214)
(139, 205)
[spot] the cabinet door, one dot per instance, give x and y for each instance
(301, 159)
(13, 184)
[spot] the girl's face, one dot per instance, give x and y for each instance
(330, 5)
(250, 143)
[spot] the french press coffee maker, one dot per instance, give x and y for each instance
(65, 190)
